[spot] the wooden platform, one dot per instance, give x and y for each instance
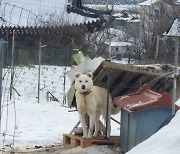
(75, 140)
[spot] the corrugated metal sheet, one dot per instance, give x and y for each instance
(139, 126)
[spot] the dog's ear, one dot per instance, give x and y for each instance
(89, 74)
(77, 75)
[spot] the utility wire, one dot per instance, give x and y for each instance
(22, 9)
(49, 2)
(59, 8)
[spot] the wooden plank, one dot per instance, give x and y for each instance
(169, 85)
(157, 84)
(114, 76)
(125, 84)
(121, 85)
(121, 75)
(100, 75)
(75, 140)
(102, 78)
(134, 68)
(165, 85)
(142, 80)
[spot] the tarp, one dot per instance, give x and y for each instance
(89, 65)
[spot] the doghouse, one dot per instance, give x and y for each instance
(125, 79)
(143, 114)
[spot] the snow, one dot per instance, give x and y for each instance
(120, 44)
(178, 1)
(42, 123)
(117, 8)
(149, 2)
(175, 29)
(127, 17)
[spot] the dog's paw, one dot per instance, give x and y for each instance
(89, 136)
(94, 135)
(84, 137)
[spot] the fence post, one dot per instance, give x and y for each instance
(12, 66)
(1, 70)
(175, 74)
(39, 70)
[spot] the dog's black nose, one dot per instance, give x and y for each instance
(83, 87)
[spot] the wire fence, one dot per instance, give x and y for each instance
(42, 68)
(24, 83)
(13, 15)
(24, 55)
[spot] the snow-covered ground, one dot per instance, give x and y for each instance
(25, 122)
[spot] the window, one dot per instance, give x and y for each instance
(157, 13)
(117, 49)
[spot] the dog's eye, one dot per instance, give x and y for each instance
(86, 81)
(80, 81)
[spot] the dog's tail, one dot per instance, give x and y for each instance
(115, 109)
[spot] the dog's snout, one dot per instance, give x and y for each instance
(83, 87)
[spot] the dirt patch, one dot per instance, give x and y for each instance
(60, 149)
(34, 150)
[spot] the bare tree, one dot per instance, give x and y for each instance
(155, 20)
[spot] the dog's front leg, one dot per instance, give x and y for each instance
(83, 124)
(92, 119)
(96, 124)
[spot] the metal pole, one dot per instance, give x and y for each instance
(109, 46)
(39, 70)
(157, 47)
(12, 66)
(64, 88)
(1, 70)
(108, 87)
(72, 43)
(175, 74)
(112, 5)
(107, 107)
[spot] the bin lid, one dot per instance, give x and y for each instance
(143, 99)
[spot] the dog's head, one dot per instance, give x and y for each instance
(83, 82)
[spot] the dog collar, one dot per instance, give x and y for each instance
(85, 93)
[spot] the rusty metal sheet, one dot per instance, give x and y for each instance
(143, 99)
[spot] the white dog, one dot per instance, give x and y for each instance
(92, 100)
